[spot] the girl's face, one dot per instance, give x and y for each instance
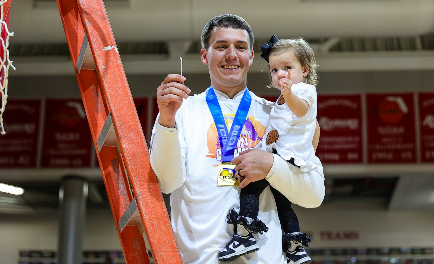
(286, 61)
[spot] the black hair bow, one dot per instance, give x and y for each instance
(266, 47)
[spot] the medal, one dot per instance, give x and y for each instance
(228, 141)
(226, 175)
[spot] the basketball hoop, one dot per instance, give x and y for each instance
(5, 63)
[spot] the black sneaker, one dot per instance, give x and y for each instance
(298, 256)
(238, 246)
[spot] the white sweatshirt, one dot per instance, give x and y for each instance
(183, 159)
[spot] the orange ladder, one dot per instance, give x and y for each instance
(132, 187)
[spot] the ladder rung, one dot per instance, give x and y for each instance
(85, 57)
(131, 217)
(107, 137)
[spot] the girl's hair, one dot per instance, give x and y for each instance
(304, 54)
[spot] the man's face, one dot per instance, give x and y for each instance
(228, 58)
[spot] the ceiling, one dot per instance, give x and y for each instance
(347, 35)
(170, 20)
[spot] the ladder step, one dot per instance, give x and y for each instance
(85, 58)
(107, 137)
(131, 217)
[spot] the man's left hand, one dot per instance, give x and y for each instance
(254, 165)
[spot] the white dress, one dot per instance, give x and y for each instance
(292, 136)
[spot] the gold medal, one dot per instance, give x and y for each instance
(226, 175)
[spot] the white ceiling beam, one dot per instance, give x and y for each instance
(361, 170)
(162, 64)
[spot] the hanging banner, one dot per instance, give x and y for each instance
(426, 122)
(391, 128)
(340, 120)
(154, 111)
(18, 147)
(142, 111)
(67, 138)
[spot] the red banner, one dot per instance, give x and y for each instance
(155, 111)
(142, 111)
(271, 98)
(391, 128)
(340, 120)
(18, 147)
(426, 121)
(67, 138)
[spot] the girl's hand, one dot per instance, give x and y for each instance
(286, 84)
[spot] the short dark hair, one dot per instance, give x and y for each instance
(225, 21)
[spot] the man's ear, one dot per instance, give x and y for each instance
(204, 56)
(252, 55)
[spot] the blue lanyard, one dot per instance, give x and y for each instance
(228, 141)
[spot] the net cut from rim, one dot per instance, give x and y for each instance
(5, 62)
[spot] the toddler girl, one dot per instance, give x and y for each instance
(293, 133)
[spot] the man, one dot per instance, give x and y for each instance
(186, 148)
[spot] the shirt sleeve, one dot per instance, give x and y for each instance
(166, 148)
(304, 189)
(306, 92)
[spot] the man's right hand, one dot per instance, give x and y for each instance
(170, 95)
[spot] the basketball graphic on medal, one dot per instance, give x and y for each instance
(226, 175)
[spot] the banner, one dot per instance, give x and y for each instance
(67, 138)
(18, 147)
(340, 120)
(155, 111)
(426, 122)
(142, 111)
(391, 128)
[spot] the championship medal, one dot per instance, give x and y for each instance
(226, 175)
(228, 140)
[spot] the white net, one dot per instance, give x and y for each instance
(5, 63)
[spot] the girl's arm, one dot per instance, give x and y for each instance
(297, 105)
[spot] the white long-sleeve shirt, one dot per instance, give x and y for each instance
(183, 159)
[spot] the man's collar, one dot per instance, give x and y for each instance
(221, 94)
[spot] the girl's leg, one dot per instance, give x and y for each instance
(246, 223)
(288, 218)
(293, 240)
(249, 198)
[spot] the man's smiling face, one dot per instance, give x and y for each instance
(228, 58)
